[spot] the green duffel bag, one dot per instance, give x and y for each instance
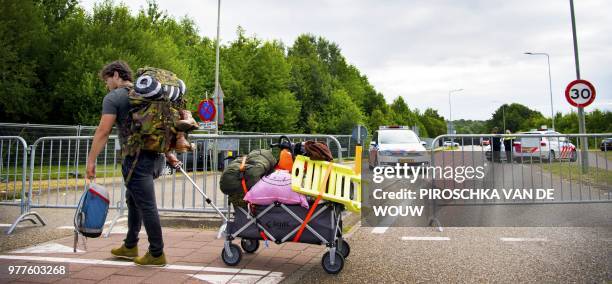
(258, 163)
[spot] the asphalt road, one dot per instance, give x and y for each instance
(503, 243)
(467, 255)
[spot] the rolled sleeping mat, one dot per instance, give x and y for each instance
(172, 92)
(175, 93)
(148, 87)
(182, 87)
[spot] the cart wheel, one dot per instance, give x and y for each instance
(249, 245)
(338, 263)
(343, 247)
(236, 255)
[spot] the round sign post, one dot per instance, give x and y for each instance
(359, 133)
(207, 110)
(580, 93)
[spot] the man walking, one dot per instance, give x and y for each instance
(140, 193)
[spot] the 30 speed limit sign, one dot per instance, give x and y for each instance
(580, 93)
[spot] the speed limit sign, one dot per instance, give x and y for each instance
(580, 93)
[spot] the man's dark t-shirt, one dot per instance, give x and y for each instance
(116, 102)
(496, 144)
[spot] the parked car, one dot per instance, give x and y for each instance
(396, 144)
(606, 144)
(450, 144)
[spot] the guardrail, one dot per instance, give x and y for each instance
(531, 161)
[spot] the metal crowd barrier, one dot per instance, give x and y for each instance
(533, 161)
(13, 167)
(55, 176)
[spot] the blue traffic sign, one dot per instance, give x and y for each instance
(207, 110)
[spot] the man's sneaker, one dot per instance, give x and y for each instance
(123, 252)
(149, 260)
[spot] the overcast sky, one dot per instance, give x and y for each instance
(422, 49)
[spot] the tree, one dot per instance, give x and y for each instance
(52, 51)
(471, 126)
(433, 123)
(518, 118)
(23, 39)
(401, 113)
(340, 115)
(310, 81)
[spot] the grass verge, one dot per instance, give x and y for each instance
(572, 171)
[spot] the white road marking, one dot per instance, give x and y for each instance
(47, 248)
(409, 238)
(221, 279)
(523, 239)
(8, 225)
(379, 230)
(121, 230)
(245, 279)
(270, 280)
(128, 263)
(257, 272)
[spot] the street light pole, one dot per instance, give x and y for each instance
(552, 112)
(450, 110)
(504, 115)
(216, 95)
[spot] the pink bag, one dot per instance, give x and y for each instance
(275, 187)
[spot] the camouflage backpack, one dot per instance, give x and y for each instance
(154, 104)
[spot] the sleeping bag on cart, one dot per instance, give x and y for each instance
(258, 163)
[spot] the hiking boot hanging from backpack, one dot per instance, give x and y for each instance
(186, 123)
(182, 145)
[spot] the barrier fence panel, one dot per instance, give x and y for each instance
(31, 132)
(13, 184)
(57, 171)
(205, 164)
(13, 150)
(52, 175)
(519, 161)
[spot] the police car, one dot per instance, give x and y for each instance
(396, 144)
(544, 148)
